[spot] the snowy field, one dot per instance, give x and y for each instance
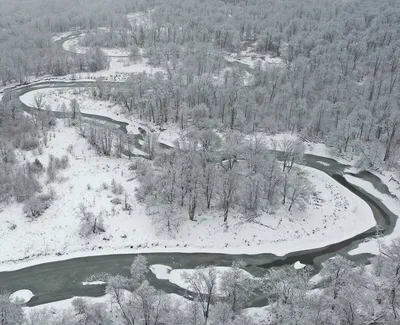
(334, 214)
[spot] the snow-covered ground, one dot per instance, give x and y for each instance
(21, 296)
(333, 215)
(298, 265)
(261, 315)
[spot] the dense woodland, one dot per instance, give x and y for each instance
(339, 81)
(343, 293)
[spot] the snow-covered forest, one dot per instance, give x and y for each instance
(336, 80)
(231, 127)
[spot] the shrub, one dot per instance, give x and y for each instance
(64, 162)
(90, 223)
(29, 144)
(36, 167)
(37, 205)
(116, 188)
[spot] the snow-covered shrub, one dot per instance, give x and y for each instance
(37, 205)
(116, 201)
(64, 162)
(70, 149)
(56, 164)
(24, 184)
(90, 223)
(29, 144)
(7, 154)
(36, 167)
(116, 188)
(51, 172)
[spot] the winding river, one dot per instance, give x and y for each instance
(61, 280)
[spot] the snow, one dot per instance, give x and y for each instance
(62, 305)
(93, 283)
(260, 315)
(21, 296)
(161, 272)
(298, 265)
(72, 45)
(323, 163)
(393, 204)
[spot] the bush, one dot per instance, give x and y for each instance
(90, 224)
(116, 188)
(29, 144)
(37, 205)
(56, 164)
(64, 162)
(51, 172)
(116, 201)
(70, 149)
(36, 167)
(24, 184)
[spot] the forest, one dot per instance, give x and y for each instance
(338, 82)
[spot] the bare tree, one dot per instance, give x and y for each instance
(203, 282)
